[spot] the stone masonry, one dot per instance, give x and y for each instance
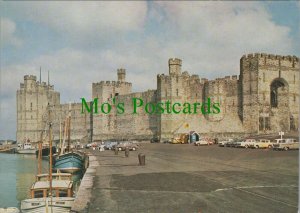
(264, 98)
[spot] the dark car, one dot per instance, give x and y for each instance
(130, 145)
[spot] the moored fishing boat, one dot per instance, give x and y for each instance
(70, 162)
(59, 201)
(26, 148)
(46, 151)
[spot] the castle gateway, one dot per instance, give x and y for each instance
(264, 98)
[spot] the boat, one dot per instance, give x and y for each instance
(26, 148)
(46, 151)
(7, 149)
(57, 200)
(68, 160)
(50, 192)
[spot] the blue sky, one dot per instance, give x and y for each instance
(85, 42)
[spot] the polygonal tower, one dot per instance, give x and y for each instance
(33, 99)
(270, 92)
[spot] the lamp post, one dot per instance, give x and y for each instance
(281, 134)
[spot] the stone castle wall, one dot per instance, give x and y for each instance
(264, 98)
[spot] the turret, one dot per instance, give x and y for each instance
(29, 81)
(121, 74)
(175, 66)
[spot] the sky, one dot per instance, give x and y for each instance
(81, 42)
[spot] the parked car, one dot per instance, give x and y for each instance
(286, 144)
(109, 145)
(223, 143)
(246, 144)
(167, 141)
(262, 143)
(130, 145)
(89, 145)
(232, 143)
(201, 142)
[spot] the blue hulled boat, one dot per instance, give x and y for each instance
(69, 162)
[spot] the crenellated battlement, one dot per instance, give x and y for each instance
(163, 77)
(270, 56)
(111, 83)
(271, 60)
(30, 77)
(175, 61)
(226, 79)
(186, 74)
(121, 71)
(195, 78)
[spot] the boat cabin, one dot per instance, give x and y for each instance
(55, 176)
(60, 188)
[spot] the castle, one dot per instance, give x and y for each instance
(264, 98)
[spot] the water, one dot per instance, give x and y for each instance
(17, 174)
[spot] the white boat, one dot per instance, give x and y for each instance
(26, 148)
(42, 201)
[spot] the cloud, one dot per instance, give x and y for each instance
(84, 18)
(8, 37)
(212, 36)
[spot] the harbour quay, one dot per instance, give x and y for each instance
(188, 178)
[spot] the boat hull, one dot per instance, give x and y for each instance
(26, 151)
(46, 151)
(42, 205)
(70, 163)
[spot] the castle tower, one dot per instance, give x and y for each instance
(172, 88)
(121, 74)
(270, 92)
(174, 66)
(33, 98)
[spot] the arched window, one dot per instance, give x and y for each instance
(274, 90)
(274, 101)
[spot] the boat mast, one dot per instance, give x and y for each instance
(69, 133)
(60, 133)
(69, 128)
(64, 139)
(40, 154)
(50, 155)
